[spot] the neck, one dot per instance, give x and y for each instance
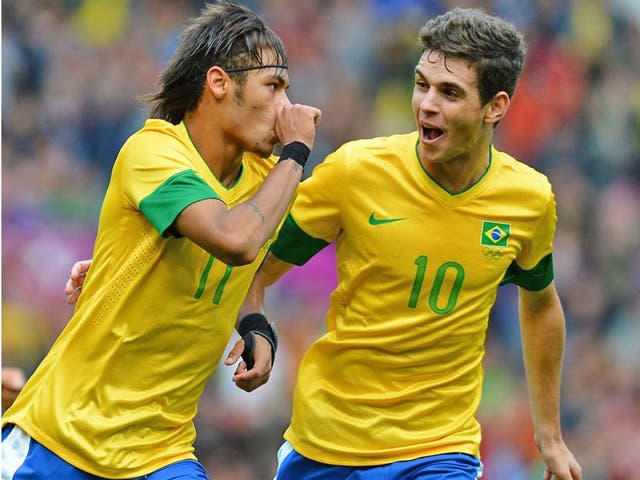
(458, 174)
(223, 158)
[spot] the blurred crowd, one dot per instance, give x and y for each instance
(71, 72)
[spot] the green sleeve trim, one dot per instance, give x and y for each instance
(294, 245)
(165, 203)
(535, 279)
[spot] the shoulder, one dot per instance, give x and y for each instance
(529, 182)
(156, 135)
(376, 150)
(381, 144)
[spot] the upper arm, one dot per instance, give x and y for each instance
(273, 268)
(538, 243)
(315, 219)
(532, 269)
(319, 205)
(203, 223)
(158, 179)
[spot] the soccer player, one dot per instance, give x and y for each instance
(427, 225)
(194, 201)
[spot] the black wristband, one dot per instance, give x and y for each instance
(252, 325)
(296, 151)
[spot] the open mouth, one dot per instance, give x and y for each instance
(431, 134)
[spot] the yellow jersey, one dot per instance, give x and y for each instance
(398, 373)
(117, 393)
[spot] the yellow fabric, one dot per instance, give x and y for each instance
(117, 393)
(398, 374)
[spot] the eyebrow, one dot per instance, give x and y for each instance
(281, 80)
(441, 85)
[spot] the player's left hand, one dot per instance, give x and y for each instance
(249, 380)
(560, 462)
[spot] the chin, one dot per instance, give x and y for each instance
(264, 153)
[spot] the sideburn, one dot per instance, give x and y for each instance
(238, 96)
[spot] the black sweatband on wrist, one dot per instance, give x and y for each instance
(252, 325)
(296, 151)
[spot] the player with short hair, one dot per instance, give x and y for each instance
(194, 201)
(427, 225)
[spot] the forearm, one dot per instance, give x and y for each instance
(543, 338)
(272, 200)
(254, 301)
(262, 214)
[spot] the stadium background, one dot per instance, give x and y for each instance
(71, 70)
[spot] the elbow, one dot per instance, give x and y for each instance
(239, 259)
(239, 250)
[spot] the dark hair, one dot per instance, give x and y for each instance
(491, 45)
(225, 34)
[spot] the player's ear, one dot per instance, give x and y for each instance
(217, 82)
(497, 107)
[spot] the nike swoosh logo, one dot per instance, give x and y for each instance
(379, 221)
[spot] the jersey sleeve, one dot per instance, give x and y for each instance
(533, 268)
(158, 178)
(315, 218)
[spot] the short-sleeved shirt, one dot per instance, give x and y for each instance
(398, 373)
(117, 393)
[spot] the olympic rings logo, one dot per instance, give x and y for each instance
(492, 253)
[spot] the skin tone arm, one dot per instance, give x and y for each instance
(236, 235)
(543, 336)
(270, 271)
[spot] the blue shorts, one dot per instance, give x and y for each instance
(25, 459)
(449, 466)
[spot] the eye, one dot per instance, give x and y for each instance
(450, 93)
(420, 83)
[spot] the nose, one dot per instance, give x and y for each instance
(284, 99)
(429, 101)
(281, 101)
